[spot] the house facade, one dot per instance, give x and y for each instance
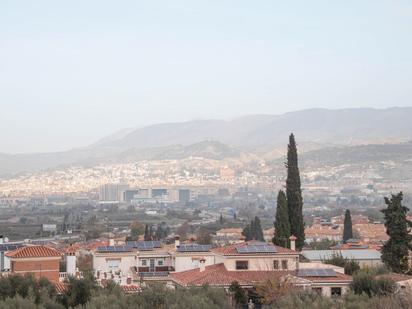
(40, 261)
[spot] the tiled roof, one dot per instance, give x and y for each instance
(231, 249)
(218, 275)
(130, 288)
(33, 251)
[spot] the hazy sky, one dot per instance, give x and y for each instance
(72, 72)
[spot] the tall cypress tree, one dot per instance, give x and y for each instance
(147, 235)
(253, 231)
(282, 225)
(294, 194)
(258, 230)
(395, 250)
(347, 227)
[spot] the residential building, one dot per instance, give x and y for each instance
(41, 261)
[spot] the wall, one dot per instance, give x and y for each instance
(48, 268)
(259, 263)
(101, 262)
(187, 262)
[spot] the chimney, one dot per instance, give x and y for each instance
(71, 261)
(292, 242)
(177, 242)
(202, 264)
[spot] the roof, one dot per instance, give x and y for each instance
(230, 230)
(231, 249)
(10, 246)
(33, 251)
(218, 275)
(357, 254)
(338, 278)
(130, 288)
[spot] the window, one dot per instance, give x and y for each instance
(317, 291)
(113, 264)
(242, 265)
(160, 262)
(284, 264)
(144, 262)
(275, 264)
(336, 291)
(195, 263)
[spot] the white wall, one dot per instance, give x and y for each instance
(102, 263)
(187, 262)
(260, 263)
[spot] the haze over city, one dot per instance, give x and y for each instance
(211, 154)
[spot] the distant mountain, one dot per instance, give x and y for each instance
(265, 135)
(346, 126)
(400, 153)
(206, 149)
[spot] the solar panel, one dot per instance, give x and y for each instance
(114, 249)
(316, 272)
(256, 249)
(144, 245)
(193, 248)
(9, 247)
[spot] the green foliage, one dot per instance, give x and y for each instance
(147, 233)
(26, 286)
(253, 231)
(282, 224)
(395, 250)
(238, 293)
(294, 194)
(79, 291)
(136, 229)
(365, 283)
(203, 236)
(324, 244)
(350, 266)
(347, 227)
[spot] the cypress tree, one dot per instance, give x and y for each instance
(253, 231)
(347, 227)
(147, 235)
(258, 232)
(282, 225)
(294, 194)
(247, 233)
(395, 250)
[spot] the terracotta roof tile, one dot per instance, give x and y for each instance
(130, 288)
(33, 251)
(218, 275)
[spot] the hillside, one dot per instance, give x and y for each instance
(265, 135)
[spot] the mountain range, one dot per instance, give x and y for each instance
(262, 135)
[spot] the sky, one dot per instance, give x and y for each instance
(72, 72)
